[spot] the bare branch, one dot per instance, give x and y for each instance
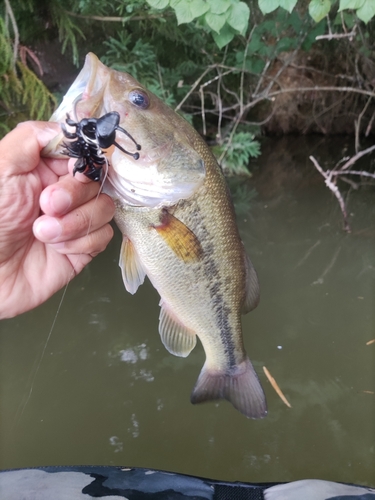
(332, 36)
(356, 157)
(201, 93)
(335, 190)
(351, 183)
(118, 19)
(369, 126)
(310, 89)
(193, 87)
(357, 124)
(361, 173)
(320, 280)
(24, 52)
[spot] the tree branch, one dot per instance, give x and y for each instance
(335, 190)
(116, 19)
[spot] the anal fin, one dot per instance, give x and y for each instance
(132, 270)
(177, 339)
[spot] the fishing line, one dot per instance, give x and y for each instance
(32, 376)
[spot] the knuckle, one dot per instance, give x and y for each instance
(108, 205)
(103, 237)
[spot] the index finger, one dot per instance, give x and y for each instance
(20, 148)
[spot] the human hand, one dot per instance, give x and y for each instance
(39, 254)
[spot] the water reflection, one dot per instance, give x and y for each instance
(107, 392)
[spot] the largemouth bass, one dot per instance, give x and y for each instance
(178, 224)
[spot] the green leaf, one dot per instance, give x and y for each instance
(318, 9)
(288, 4)
(215, 21)
(198, 8)
(174, 3)
(367, 11)
(295, 22)
(255, 44)
(158, 4)
(286, 44)
(219, 6)
(239, 58)
(310, 39)
(239, 17)
(183, 12)
(348, 18)
(267, 6)
(225, 36)
(351, 4)
(255, 65)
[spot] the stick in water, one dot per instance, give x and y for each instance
(276, 387)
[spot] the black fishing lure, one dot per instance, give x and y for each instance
(92, 135)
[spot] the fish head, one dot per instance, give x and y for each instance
(153, 161)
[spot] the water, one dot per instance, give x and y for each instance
(107, 392)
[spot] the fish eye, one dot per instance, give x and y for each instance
(139, 99)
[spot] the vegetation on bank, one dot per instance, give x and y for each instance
(235, 68)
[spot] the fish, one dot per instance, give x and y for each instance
(179, 228)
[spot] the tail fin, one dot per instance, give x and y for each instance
(240, 386)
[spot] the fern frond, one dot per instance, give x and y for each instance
(68, 30)
(36, 96)
(6, 49)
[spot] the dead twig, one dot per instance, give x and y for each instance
(369, 126)
(276, 387)
(320, 280)
(118, 19)
(308, 253)
(362, 173)
(331, 184)
(192, 88)
(333, 36)
(357, 124)
(24, 52)
(356, 157)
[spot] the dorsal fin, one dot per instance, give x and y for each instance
(132, 270)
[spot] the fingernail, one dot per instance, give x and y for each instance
(48, 228)
(60, 200)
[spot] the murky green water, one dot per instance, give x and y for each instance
(107, 392)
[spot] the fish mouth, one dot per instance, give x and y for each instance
(161, 172)
(86, 86)
(82, 100)
(86, 98)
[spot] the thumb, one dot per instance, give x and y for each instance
(20, 149)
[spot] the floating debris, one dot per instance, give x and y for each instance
(276, 387)
(370, 342)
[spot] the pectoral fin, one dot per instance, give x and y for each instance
(179, 238)
(252, 287)
(177, 339)
(132, 270)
